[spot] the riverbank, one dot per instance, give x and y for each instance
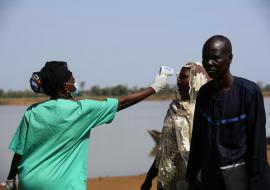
(30, 101)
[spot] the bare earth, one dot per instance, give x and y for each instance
(128, 182)
(116, 183)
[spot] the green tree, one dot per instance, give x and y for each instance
(82, 85)
(95, 91)
(119, 90)
(266, 87)
(1, 92)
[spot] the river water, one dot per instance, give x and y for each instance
(116, 149)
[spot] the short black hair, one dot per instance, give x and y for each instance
(53, 77)
(223, 39)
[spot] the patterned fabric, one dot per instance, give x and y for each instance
(172, 155)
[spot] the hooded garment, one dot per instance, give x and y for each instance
(172, 154)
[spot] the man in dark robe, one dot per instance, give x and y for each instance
(228, 143)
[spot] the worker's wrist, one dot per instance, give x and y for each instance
(10, 184)
(10, 178)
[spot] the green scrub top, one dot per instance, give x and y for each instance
(53, 139)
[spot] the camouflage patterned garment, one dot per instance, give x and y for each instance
(172, 154)
(174, 146)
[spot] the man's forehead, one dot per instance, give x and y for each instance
(214, 44)
(214, 48)
(210, 51)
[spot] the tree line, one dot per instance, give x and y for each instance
(117, 90)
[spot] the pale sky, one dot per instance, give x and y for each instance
(110, 42)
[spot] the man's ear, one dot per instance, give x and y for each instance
(230, 56)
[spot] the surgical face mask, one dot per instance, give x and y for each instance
(76, 92)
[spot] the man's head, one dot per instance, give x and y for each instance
(191, 77)
(217, 56)
(183, 81)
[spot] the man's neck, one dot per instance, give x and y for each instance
(61, 96)
(225, 83)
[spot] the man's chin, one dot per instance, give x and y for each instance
(212, 75)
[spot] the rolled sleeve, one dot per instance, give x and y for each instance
(99, 112)
(17, 143)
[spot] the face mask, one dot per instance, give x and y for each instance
(76, 92)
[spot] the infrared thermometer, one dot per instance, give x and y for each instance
(164, 70)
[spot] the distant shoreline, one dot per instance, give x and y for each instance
(30, 101)
(33, 100)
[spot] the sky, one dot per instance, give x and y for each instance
(125, 42)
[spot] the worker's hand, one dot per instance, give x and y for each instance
(159, 83)
(146, 185)
(10, 184)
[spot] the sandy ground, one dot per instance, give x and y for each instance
(125, 182)
(116, 183)
(129, 182)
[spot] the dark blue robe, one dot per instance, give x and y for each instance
(229, 128)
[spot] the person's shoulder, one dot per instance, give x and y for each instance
(243, 81)
(207, 87)
(51, 104)
(247, 85)
(209, 84)
(108, 102)
(36, 106)
(32, 108)
(91, 101)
